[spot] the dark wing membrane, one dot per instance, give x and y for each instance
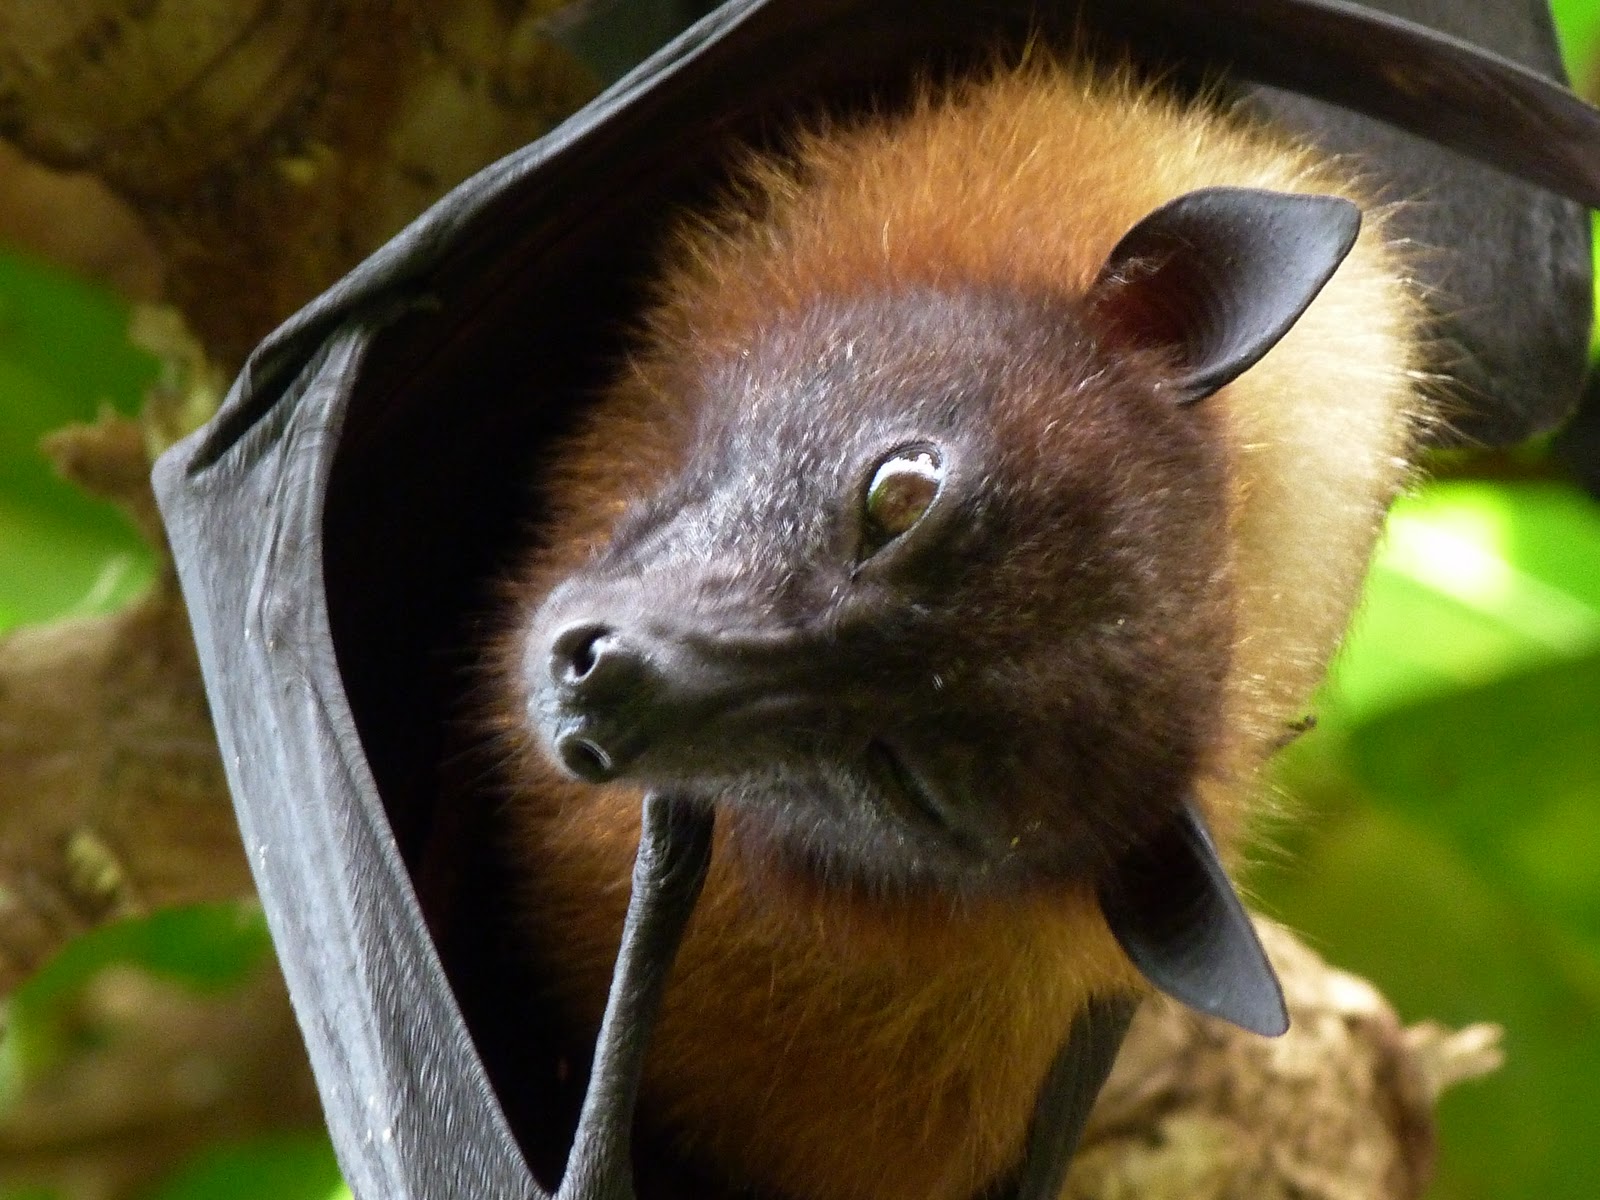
(408, 1104)
(1066, 1098)
(1480, 92)
(1509, 284)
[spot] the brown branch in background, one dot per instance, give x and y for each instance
(236, 156)
(259, 148)
(74, 221)
(113, 804)
(1340, 1108)
(268, 145)
(114, 798)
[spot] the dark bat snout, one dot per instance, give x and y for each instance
(622, 688)
(597, 696)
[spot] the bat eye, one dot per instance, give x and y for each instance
(902, 488)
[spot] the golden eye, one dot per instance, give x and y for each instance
(901, 490)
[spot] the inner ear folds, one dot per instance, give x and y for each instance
(1217, 276)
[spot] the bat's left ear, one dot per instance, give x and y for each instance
(1173, 910)
(1217, 276)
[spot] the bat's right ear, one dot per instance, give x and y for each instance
(1217, 276)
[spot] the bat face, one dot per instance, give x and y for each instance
(937, 595)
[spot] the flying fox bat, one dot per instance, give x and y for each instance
(339, 523)
(947, 536)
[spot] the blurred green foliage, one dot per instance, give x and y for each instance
(64, 353)
(1447, 825)
(1447, 839)
(1449, 821)
(207, 948)
(279, 1167)
(1578, 24)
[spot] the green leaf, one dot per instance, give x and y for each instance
(1509, 773)
(1594, 250)
(72, 337)
(73, 558)
(1473, 582)
(277, 1167)
(1455, 783)
(1578, 27)
(64, 354)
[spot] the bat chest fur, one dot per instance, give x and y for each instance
(822, 1047)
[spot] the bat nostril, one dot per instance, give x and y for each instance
(595, 698)
(585, 758)
(576, 653)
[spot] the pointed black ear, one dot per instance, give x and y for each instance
(1217, 276)
(1173, 910)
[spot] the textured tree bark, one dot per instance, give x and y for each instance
(268, 145)
(259, 149)
(1340, 1108)
(247, 150)
(76, 222)
(235, 156)
(113, 804)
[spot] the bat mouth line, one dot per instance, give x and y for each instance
(906, 793)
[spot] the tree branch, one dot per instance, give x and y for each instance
(1340, 1108)
(269, 145)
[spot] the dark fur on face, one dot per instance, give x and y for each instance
(1015, 687)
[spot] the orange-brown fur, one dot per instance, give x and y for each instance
(811, 1044)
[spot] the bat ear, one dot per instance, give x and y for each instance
(1218, 275)
(1172, 908)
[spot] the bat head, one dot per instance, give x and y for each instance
(938, 594)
